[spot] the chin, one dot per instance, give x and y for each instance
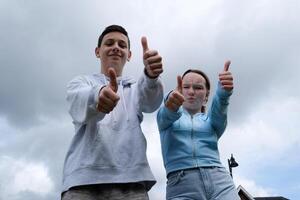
(118, 63)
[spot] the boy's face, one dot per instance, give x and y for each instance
(113, 52)
(194, 91)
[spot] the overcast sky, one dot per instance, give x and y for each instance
(43, 44)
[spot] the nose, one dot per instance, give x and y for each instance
(191, 91)
(116, 48)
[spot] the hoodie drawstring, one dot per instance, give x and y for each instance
(124, 103)
(112, 112)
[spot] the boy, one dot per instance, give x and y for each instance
(107, 157)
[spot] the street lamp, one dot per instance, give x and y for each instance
(232, 163)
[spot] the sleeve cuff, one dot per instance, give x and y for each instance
(95, 93)
(222, 93)
(151, 82)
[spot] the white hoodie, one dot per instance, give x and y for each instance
(109, 148)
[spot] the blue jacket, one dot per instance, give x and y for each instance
(192, 141)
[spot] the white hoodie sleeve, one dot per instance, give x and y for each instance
(150, 93)
(82, 97)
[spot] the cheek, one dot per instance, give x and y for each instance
(125, 54)
(103, 53)
(201, 95)
(184, 92)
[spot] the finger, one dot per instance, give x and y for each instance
(179, 84)
(225, 77)
(104, 100)
(153, 57)
(144, 44)
(103, 108)
(154, 69)
(226, 82)
(178, 98)
(226, 65)
(106, 108)
(225, 73)
(155, 73)
(227, 87)
(171, 106)
(110, 94)
(113, 79)
(155, 66)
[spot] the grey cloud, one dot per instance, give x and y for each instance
(32, 196)
(262, 41)
(40, 54)
(45, 144)
(44, 44)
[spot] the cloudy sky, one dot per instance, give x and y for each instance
(43, 44)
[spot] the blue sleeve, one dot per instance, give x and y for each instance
(218, 111)
(165, 117)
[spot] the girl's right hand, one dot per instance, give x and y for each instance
(175, 99)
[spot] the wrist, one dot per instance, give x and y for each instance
(148, 75)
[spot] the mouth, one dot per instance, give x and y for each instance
(190, 100)
(115, 58)
(115, 55)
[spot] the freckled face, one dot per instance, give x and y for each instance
(194, 91)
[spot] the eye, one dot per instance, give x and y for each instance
(186, 86)
(198, 87)
(122, 44)
(109, 42)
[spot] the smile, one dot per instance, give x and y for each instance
(115, 55)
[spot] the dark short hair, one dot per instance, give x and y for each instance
(207, 82)
(113, 28)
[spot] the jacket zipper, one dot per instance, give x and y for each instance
(192, 138)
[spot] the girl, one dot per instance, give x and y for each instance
(189, 138)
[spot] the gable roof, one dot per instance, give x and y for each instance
(244, 194)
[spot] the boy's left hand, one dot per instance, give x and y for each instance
(152, 60)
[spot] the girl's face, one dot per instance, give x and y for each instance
(194, 91)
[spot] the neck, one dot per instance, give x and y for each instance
(104, 70)
(193, 111)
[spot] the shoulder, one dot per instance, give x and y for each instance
(91, 79)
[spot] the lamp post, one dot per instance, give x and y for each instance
(232, 163)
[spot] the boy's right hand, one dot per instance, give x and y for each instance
(175, 99)
(108, 97)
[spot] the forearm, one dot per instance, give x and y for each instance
(166, 117)
(150, 93)
(218, 111)
(82, 99)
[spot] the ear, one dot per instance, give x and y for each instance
(129, 55)
(97, 52)
(207, 95)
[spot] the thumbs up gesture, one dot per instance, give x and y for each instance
(175, 99)
(108, 97)
(152, 60)
(226, 78)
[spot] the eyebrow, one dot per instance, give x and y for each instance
(113, 39)
(193, 84)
